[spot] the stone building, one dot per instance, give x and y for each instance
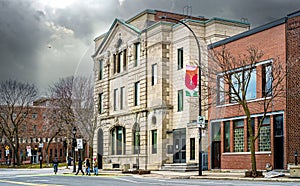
(144, 118)
(279, 134)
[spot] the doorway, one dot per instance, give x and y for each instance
(100, 149)
(278, 142)
(216, 152)
(179, 140)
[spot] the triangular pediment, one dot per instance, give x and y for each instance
(119, 34)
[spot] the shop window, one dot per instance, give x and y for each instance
(227, 136)
(265, 135)
(238, 136)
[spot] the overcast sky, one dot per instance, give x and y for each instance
(44, 40)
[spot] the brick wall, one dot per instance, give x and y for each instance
(293, 86)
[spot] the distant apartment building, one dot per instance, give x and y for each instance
(279, 134)
(144, 118)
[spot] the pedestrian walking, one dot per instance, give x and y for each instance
(79, 166)
(55, 165)
(87, 167)
(95, 167)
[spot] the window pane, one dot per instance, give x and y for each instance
(216, 131)
(221, 89)
(101, 70)
(265, 135)
(267, 80)
(115, 99)
(180, 100)
(235, 89)
(137, 53)
(227, 136)
(137, 93)
(180, 58)
(122, 98)
(154, 141)
(101, 103)
(192, 149)
(239, 136)
(154, 74)
(119, 140)
(251, 89)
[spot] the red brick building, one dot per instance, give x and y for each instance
(35, 134)
(279, 134)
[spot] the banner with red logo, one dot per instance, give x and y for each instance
(191, 80)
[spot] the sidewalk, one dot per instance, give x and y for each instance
(217, 175)
(214, 175)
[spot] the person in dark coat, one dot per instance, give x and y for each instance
(79, 167)
(88, 167)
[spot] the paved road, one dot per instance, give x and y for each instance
(45, 177)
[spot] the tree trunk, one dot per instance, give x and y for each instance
(253, 159)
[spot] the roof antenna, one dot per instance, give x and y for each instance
(187, 10)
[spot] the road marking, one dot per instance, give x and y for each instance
(30, 184)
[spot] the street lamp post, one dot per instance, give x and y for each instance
(74, 130)
(199, 87)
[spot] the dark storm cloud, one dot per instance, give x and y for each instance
(22, 35)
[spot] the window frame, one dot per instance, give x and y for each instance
(101, 103)
(100, 70)
(137, 93)
(137, 53)
(154, 74)
(180, 58)
(154, 141)
(180, 100)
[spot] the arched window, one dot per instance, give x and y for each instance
(118, 140)
(136, 138)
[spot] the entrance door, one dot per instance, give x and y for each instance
(278, 142)
(100, 149)
(179, 140)
(216, 149)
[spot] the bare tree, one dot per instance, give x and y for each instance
(83, 105)
(232, 78)
(72, 102)
(15, 99)
(60, 107)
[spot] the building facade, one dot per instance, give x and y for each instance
(279, 134)
(144, 118)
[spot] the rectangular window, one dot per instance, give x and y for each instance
(154, 75)
(137, 47)
(180, 58)
(265, 135)
(120, 62)
(119, 140)
(124, 59)
(122, 98)
(244, 80)
(101, 103)
(100, 70)
(227, 136)
(180, 100)
(192, 149)
(221, 90)
(137, 93)
(115, 63)
(267, 80)
(60, 153)
(216, 131)
(115, 99)
(238, 136)
(154, 141)
(113, 141)
(51, 152)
